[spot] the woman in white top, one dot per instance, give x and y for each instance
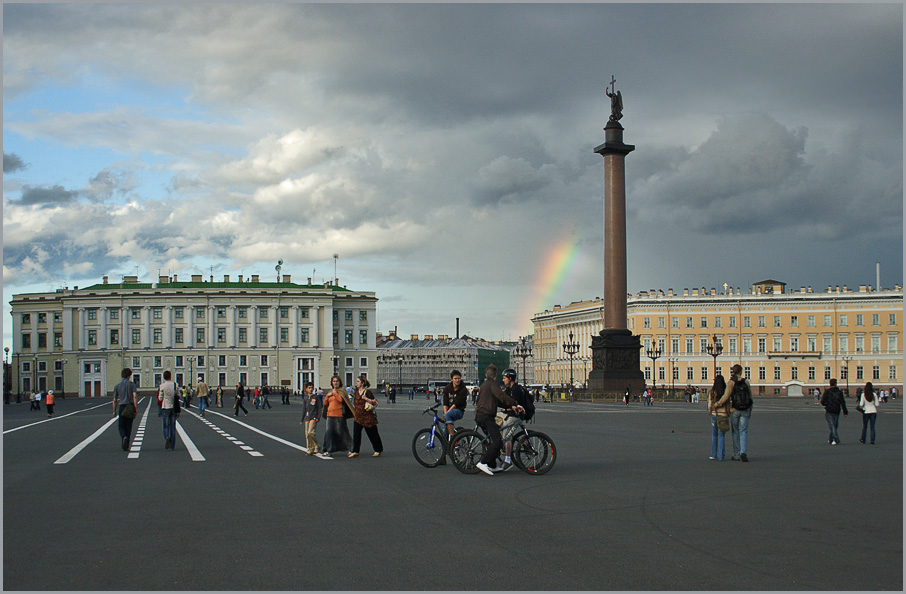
(167, 395)
(869, 404)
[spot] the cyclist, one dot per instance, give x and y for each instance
(455, 395)
(521, 396)
(490, 397)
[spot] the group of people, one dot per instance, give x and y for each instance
(834, 403)
(336, 407)
(730, 406)
(48, 401)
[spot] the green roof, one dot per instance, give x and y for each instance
(209, 285)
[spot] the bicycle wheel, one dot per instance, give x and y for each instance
(429, 452)
(535, 453)
(466, 450)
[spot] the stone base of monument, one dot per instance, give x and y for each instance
(616, 356)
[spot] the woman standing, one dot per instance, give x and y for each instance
(336, 435)
(364, 419)
(720, 417)
(167, 397)
(870, 411)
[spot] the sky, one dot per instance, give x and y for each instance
(445, 152)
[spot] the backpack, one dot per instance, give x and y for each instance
(741, 398)
(523, 398)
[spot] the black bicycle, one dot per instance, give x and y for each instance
(429, 446)
(533, 451)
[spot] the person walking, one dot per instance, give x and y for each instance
(218, 396)
(125, 393)
(240, 394)
(265, 392)
(720, 418)
(312, 409)
(364, 418)
(49, 404)
(739, 395)
(833, 402)
(869, 405)
(336, 434)
(166, 394)
(201, 390)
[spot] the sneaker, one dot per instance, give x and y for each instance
(744, 458)
(498, 469)
(506, 466)
(833, 443)
(861, 441)
(484, 468)
(712, 458)
(125, 443)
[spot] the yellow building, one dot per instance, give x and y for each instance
(78, 341)
(788, 342)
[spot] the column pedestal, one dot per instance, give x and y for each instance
(616, 362)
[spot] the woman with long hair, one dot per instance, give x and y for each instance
(336, 434)
(364, 419)
(720, 417)
(869, 405)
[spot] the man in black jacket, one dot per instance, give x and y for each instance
(832, 400)
(490, 397)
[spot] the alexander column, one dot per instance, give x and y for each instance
(615, 350)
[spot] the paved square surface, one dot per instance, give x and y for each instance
(633, 503)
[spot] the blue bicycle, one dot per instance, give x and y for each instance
(429, 446)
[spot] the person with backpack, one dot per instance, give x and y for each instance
(832, 400)
(739, 393)
(521, 396)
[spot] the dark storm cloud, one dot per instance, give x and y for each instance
(12, 163)
(46, 196)
(510, 180)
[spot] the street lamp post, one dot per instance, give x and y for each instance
(399, 379)
(673, 361)
(846, 360)
(7, 376)
(654, 354)
(523, 351)
(571, 348)
(715, 349)
(62, 378)
(585, 372)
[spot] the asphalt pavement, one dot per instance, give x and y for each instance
(633, 503)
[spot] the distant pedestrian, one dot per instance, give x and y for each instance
(264, 394)
(833, 402)
(240, 394)
(312, 408)
(35, 402)
(720, 417)
(201, 390)
(411, 394)
(869, 405)
(125, 393)
(219, 396)
(49, 403)
(166, 394)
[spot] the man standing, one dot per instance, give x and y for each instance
(739, 393)
(201, 390)
(490, 397)
(125, 393)
(832, 400)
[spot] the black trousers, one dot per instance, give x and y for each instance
(373, 435)
(489, 424)
(238, 405)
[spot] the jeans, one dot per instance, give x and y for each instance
(865, 420)
(264, 402)
(169, 423)
(833, 420)
(453, 415)
(718, 438)
(124, 425)
(202, 404)
(739, 423)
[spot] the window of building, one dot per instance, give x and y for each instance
(646, 323)
(704, 321)
(704, 375)
(363, 336)
(875, 343)
(776, 374)
(827, 321)
(57, 317)
(892, 372)
(136, 363)
(303, 312)
(703, 345)
(157, 313)
(158, 336)
(675, 373)
(843, 343)
(199, 313)
(243, 361)
(794, 373)
(660, 322)
(746, 322)
(860, 344)
(777, 346)
(26, 367)
(689, 349)
(811, 344)
(746, 344)
(57, 339)
(221, 312)
(348, 315)
(747, 372)
(221, 335)
(243, 335)
(348, 362)
(762, 344)
(690, 374)
(811, 321)
(777, 321)
(92, 314)
(891, 343)
(42, 365)
(363, 315)
(647, 373)
(794, 344)
(646, 343)
(199, 336)
(876, 372)
(762, 373)
(811, 372)
(304, 337)
(243, 312)
(875, 319)
(136, 313)
(859, 320)
(284, 313)
(336, 336)
(221, 360)
(92, 338)
(732, 345)
(200, 361)
(827, 372)
(843, 319)
(717, 322)
(794, 321)
(363, 362)
(263, 360)
(262, 313)
(732, 321)
(157, 361)
(828, 345)
(136, 336)
(284, 334)
(844, 373)
(892, 320)
(859, 372)
(26, 319)
(674, 346)
(114, 337)
(177, 313)
(262, 336)
(688, 322)
(349, 337)
(42, 318)
(674, 323)
(179, 361)
(178, 336)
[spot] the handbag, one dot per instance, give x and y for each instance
(369, 407)
(860, 409)
(129, 411)
(723, 424)
(176, 408)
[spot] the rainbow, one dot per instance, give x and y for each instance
(559, 270)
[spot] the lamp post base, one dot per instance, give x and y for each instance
(616, 362)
